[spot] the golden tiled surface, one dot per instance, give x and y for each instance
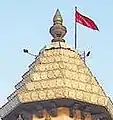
(60, 73)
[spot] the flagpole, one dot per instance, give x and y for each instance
(75, 28)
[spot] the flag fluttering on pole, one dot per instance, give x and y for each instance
(85, 21)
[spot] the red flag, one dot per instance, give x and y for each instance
(85, 21)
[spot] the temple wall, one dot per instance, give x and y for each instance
(63, 114)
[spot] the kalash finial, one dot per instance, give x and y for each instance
(58, 31)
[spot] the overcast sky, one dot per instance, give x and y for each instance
(26, 23)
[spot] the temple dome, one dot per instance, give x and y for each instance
(58, 73)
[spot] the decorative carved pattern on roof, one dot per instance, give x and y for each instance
(60, 74)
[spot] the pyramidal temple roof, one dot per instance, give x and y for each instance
(57, 73)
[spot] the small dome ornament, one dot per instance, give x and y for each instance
(58, 31)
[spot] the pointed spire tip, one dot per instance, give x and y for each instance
(57, 17)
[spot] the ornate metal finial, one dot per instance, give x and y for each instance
(58, 31)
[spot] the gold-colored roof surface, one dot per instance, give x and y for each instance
(58, 72)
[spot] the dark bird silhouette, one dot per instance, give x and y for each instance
(25, 50)
(88, 53)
